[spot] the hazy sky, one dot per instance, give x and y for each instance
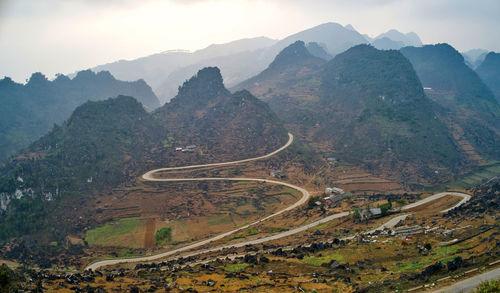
(63, 36)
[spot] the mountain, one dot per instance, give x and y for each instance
(29, 111)
(332, 36)
(286, 75)
(165, 71)
(442, 68)
(489, 71)
(318, 51)
(206, 114)
(238, 60)
(474, 58)
(99, 146)
(109, 144)
(462, 99)
(365, 106)
(408, 39)
(387, 44)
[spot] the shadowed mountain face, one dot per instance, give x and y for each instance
(489, 71)
(101, 145)
(206, 114)
(366, 107)
(443, 69)
(377, 115)
(105, 144)
(318, 51)
(29, 111)
(463, 101)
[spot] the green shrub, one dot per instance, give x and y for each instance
(312, 202)
(7, 279)
(164, 235)
(488, 287)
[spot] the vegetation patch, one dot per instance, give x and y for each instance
(236, 267)
(249, 232)
(319, 260)
(112, 233)
(218, 219)
(163, 236)
(276, 229)
(488, 286)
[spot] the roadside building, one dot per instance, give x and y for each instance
(334, 190)
(277, 174)
(370, 213)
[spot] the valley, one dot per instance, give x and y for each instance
(324, 161)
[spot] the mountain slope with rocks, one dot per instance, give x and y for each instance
(29, 111)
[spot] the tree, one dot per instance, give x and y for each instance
(7, 279)
(356, 215)
(164, 235)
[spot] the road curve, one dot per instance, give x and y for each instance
(469, 284)
(305, 195)
(389, 224)
(465, 198)
(148, 175)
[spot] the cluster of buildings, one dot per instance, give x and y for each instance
(333, 195)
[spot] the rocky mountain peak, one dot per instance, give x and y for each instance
(292, 54)
(207, 84)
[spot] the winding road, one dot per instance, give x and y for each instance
(305, 195)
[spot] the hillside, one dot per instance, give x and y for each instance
(289, 66)
(463, 101)
(489, 71)
(106, 145)
(442, 68)
(29, 111)
(100, 146)
(365, 107)
(206, 114)
(379, 116)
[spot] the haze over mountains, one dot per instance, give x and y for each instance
(489, 71)
(242, 59)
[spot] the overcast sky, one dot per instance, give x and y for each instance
(62, 36)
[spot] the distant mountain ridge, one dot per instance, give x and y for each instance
(238, 60)
(489, 71)
(475, 57)
(409, 39)
(242, 59)
(29, 111)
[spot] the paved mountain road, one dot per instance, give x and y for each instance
(468, 285)
(305, 195)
